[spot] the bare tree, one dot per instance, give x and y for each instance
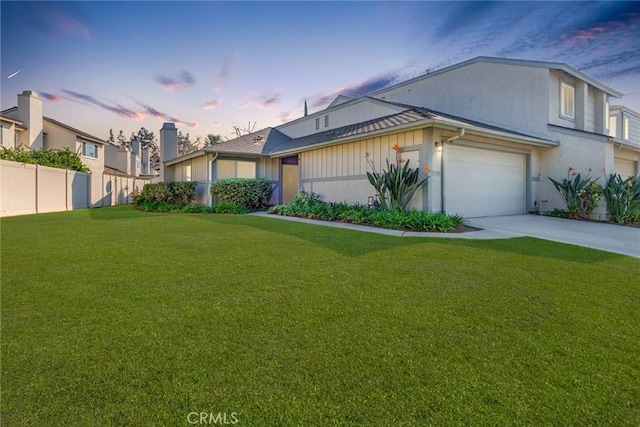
(238, 131)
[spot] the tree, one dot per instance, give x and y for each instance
(111, 139)
(185, 146)
(238, 131)
(212, 139)
(122, 141)
(147, 139)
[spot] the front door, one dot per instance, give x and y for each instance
(290, 178)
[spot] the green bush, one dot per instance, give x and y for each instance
(623, 198)
(248, 192)
(63, 159)
(177, 193)
(309, 205)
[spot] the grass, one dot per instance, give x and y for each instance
(118, 317)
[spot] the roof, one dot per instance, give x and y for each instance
(271, 142)
(78, 132)
(16, 122)
(624, 109)
(411, 116)
(509, 61)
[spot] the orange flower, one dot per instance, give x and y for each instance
(426, 169)
(396, 147)
(400, 160)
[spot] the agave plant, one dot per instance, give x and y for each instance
(396, 185)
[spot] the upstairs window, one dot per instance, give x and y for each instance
(567, 101)
(317, 123)
(613, 126)
(89, 149)
(326, 121)
(625, 128)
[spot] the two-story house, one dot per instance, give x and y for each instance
(132, 160)
(490, 130)
(26, 126)
(624, 128)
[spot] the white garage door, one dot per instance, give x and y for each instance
(624, 167)
(481, 182)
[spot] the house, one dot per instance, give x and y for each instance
(26, 126)
(491, 130)
(624, 127)
(132, 160)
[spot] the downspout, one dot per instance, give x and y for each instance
(210, 179)
(460, 134)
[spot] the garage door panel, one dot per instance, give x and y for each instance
(625, 168)
(483, 182)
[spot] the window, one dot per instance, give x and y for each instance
(186, 173)
(326, 121)
(625, 128)
(235, 169)
(613, 126)
(567, 101)
(90, 149)
(317, 123)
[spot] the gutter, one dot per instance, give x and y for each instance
(619, 143)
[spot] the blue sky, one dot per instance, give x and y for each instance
(209, 65)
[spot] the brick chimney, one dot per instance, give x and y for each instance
(30, 114)
(168, 149)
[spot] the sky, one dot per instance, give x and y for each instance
(208, 66)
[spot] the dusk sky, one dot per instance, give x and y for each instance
(207, 65)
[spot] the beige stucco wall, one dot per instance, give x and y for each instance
(510, 96)
(59, 138)
(8, 134)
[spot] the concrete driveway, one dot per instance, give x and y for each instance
(606, 237)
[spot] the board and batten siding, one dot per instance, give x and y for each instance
(338, 172)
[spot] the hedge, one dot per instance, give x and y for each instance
(252, 193)
(178, 193)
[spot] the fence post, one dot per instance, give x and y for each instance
(37, 173)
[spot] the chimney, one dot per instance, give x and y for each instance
(168, 149)
(30, 114)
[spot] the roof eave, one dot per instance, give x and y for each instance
(506, 136)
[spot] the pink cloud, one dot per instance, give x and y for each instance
(211, 105)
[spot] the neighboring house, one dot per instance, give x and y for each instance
(132, 160)
(491, 130)
(624, 127)
(26, 126)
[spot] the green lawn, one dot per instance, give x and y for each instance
(117, 317)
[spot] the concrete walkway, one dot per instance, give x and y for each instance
(605, 237)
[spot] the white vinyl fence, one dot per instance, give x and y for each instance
(28, 189)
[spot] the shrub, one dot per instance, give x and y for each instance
(623, 198)
(309, 205)
(178, 193)
(252, 193)
(580, 195)
(63, 159)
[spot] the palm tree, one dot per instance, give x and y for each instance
(212, 139)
